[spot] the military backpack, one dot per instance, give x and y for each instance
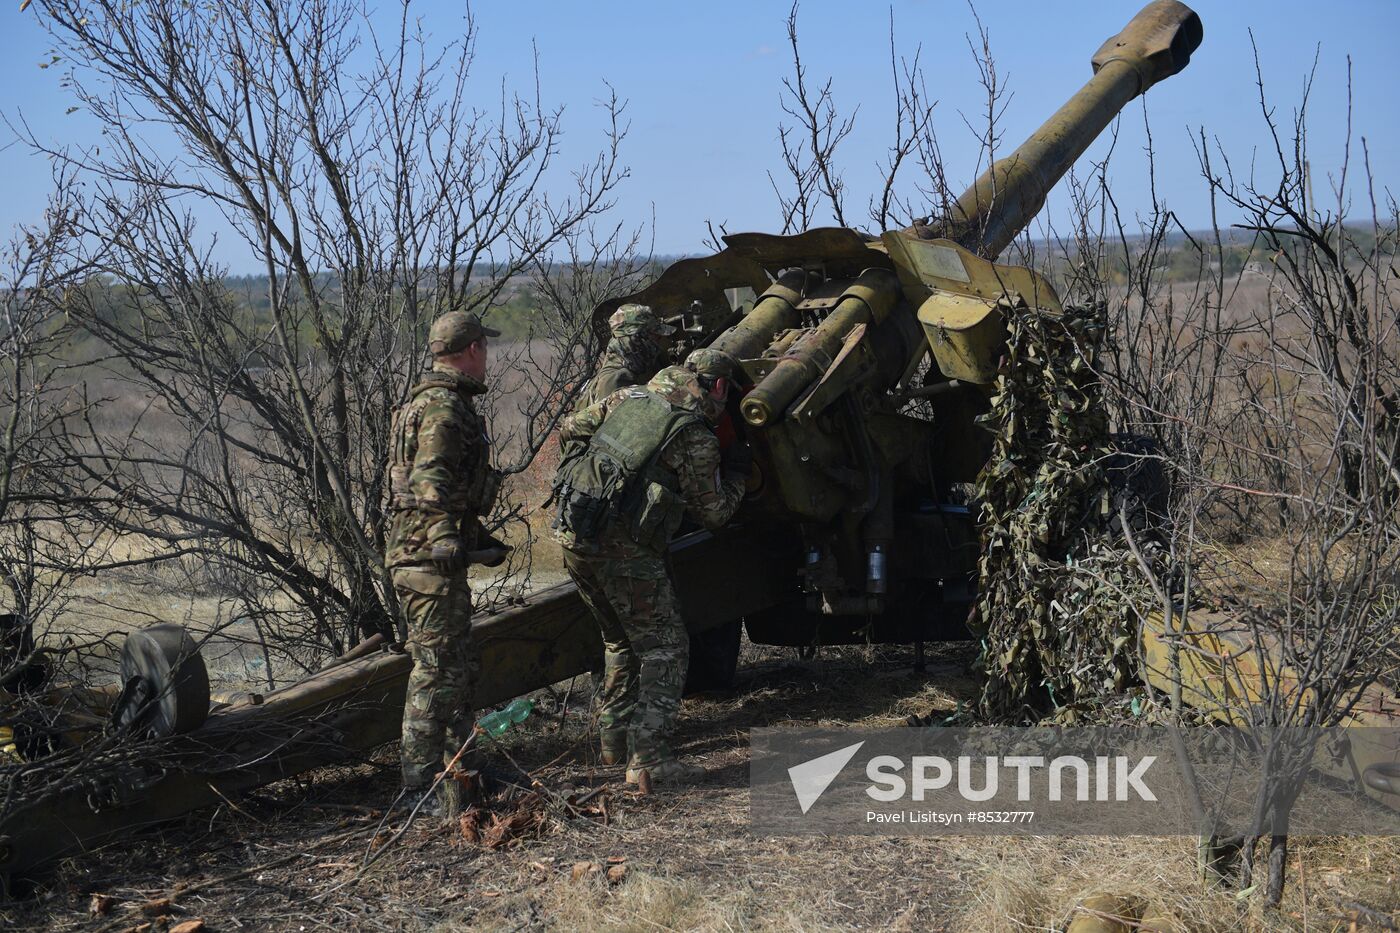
(615, 477)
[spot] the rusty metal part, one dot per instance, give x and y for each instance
(1227, 665)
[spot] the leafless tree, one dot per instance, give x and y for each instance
(809, 148)
(1263, 360)
(812, 184)
(376, 188)
(47, 541)
(1322, 386)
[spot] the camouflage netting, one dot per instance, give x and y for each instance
(1056, 591)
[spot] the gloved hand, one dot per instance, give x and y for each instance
(491, 556)
(736, 462)
(449, 557)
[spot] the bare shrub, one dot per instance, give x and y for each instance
(377, 189)
(812, 186)
(1263, 360)
(46, 538)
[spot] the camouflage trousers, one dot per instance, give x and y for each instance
(646, 648)
(437, 709)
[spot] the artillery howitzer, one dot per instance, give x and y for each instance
(869, 360)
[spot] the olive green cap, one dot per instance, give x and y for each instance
(707, 362)
(638, 319)
(455, 331)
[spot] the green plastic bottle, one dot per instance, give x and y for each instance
(513, 713)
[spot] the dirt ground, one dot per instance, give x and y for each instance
(291, 856)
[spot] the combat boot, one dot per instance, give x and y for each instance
(672, 772)
(614, 746)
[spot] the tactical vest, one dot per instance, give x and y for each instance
(617, 481)
(475, 494)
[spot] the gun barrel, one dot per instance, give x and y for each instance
(1156, 44)
(775, 310)
(869, 300)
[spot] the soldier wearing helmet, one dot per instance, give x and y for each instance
(633, 355)
(636, 463)
(441, 485)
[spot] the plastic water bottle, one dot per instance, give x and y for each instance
(513, 713)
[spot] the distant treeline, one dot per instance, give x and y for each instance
(1184, 257)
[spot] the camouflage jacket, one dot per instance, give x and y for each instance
(628, 361)
(613, 374)
(440, 476)
(692, 456)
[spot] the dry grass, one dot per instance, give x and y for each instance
(1037, 884)
(692, 861)
(650, 902)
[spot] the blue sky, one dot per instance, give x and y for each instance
(703, 83)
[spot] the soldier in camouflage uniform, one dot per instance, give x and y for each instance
(440, 485)
(635, 463)
(633, 355)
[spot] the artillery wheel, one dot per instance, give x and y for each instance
(166, 686)
(714, 657)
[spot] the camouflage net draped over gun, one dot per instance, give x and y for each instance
(1056, 588)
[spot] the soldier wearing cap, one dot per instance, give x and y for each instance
(639, 460)
(441, 485)
(633, 355)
